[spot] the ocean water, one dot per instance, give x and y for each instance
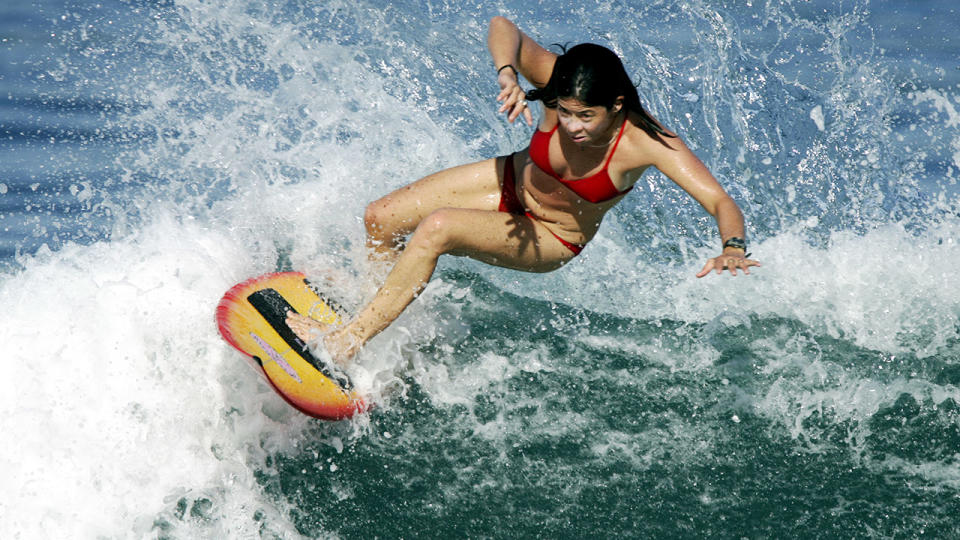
(154, 153)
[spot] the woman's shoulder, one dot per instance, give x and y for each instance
(642, 147)
(643, 135)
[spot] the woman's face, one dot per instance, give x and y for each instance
(585, 124)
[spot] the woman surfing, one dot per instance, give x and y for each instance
(536, 209)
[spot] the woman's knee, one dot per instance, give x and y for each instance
(434, 232)
(382, 221)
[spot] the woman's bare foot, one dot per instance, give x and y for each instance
(337, 343)
(305, 328)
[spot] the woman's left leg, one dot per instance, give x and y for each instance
(497, 238)
(391, 218)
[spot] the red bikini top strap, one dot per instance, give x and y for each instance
(622, 126)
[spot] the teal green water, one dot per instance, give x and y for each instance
(600, 441)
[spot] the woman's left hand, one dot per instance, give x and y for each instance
(728, 261)
(513, 97)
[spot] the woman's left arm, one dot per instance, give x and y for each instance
(678, 162)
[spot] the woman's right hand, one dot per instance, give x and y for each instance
(512, 96)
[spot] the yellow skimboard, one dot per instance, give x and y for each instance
(252, 316)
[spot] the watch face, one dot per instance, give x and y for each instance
(735, 243)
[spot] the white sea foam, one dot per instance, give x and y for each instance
(886, 289)
(816, 114)
(121, 401)
(117, 392)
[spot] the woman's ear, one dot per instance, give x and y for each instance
(618, 104)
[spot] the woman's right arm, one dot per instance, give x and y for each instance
(511, 47)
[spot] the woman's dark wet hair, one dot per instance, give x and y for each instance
(595, 76)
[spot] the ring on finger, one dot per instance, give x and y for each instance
(522, 103)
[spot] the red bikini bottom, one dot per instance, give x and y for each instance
(510, 203)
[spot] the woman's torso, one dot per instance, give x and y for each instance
(558, 206)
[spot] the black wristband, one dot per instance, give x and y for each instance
(515, 72)
(736, 243)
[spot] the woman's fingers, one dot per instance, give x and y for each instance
(514, 104)
(510, 97)
(521, 107)
(731, 264)
(706, 268)
(726, 262)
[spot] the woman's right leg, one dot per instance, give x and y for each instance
(390, 219)
(497, 238)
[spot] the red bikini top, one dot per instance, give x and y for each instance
(597, 188)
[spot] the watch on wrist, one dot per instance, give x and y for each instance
(736, 243)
